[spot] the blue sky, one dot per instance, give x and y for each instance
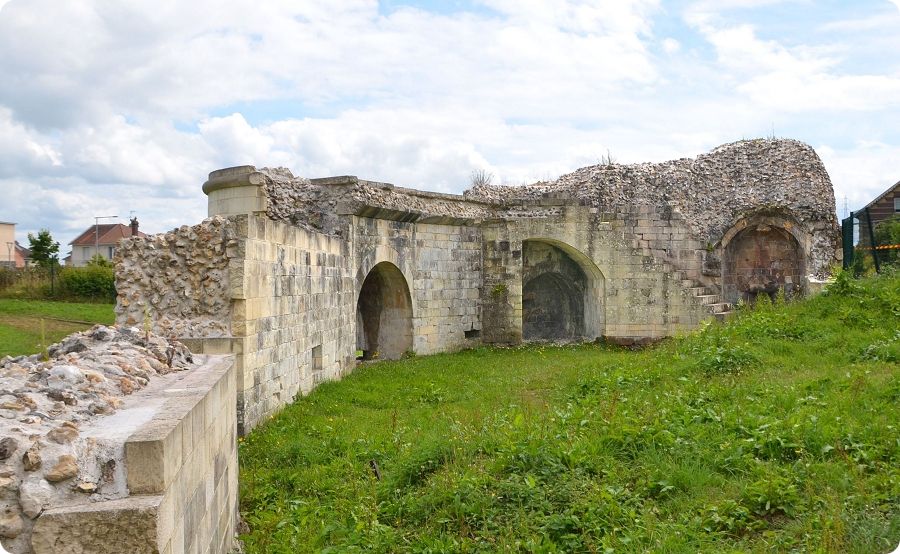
(113, 108)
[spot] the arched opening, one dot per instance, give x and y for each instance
(562, 293)
(762, 259)
(384, 314)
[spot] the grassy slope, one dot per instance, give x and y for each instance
(20, 326)
(778, 432)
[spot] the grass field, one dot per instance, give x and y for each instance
(778, 432)
(20, 322)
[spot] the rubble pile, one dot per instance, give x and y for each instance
(710, 192)
(47, 400)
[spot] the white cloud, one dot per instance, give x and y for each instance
(113, 107)
(861, 172)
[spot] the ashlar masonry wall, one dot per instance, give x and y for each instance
(633, 296)
(181, 469)
(442, 266)
(275, 277)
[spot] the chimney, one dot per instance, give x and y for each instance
(134, 226)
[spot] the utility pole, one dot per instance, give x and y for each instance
(97, 231)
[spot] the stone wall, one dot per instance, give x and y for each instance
(442, 268)
(302, 275)
(294, 294)
(630, 295)
(177, 283)
(711, 192)
(181, 470)
(112, 442)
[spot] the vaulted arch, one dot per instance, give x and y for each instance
(763, 254)
(384, 314)
(562, 293)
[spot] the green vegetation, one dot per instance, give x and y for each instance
(20, 323)
(888, 233)
(44, 250)
(95, 282)
(778, 432)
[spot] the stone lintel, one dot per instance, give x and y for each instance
(337, 180)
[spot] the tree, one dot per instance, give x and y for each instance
(887, 233)
(44, 251)
(480, 178)
(99, 261)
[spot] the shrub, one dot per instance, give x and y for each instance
(93, 282)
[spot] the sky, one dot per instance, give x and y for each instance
(123, 108)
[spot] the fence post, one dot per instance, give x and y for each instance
(847, 240)
(872, 241)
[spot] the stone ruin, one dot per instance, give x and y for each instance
(83, 430)
(301, 278)
(124, 439)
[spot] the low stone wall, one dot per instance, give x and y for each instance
(180, 465)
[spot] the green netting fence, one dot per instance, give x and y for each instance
(870, 245)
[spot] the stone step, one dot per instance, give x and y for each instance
(719, 307)
(700, 290)
(708, 299)
(722, 316)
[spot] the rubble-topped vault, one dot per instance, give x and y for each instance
(299, 277)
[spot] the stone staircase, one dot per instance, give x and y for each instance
(704, 289)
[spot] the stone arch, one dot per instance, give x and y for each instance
(763, 254)
(384, 314)
(562, 292)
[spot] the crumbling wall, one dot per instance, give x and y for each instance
(712, 191)
(177, 283)
(66, 425)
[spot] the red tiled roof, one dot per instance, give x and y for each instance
(110, 234)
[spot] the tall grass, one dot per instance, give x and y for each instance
(776, 432)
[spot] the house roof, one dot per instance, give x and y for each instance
(6, 223)
(109, 233)
(878, 198)
(25, 252)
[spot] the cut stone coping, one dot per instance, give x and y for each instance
(155, 418)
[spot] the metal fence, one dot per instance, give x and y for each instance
(870, 245)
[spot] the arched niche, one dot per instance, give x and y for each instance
(763, 255)
(384, 314)
(562, 293)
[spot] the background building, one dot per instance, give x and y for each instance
(100, 239)
(7, 244)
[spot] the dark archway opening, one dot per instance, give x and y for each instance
(384, 314)
(762, 259)
(552, 308)
(553, 294)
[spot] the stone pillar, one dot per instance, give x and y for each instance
(501, 294)
(235, 190)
